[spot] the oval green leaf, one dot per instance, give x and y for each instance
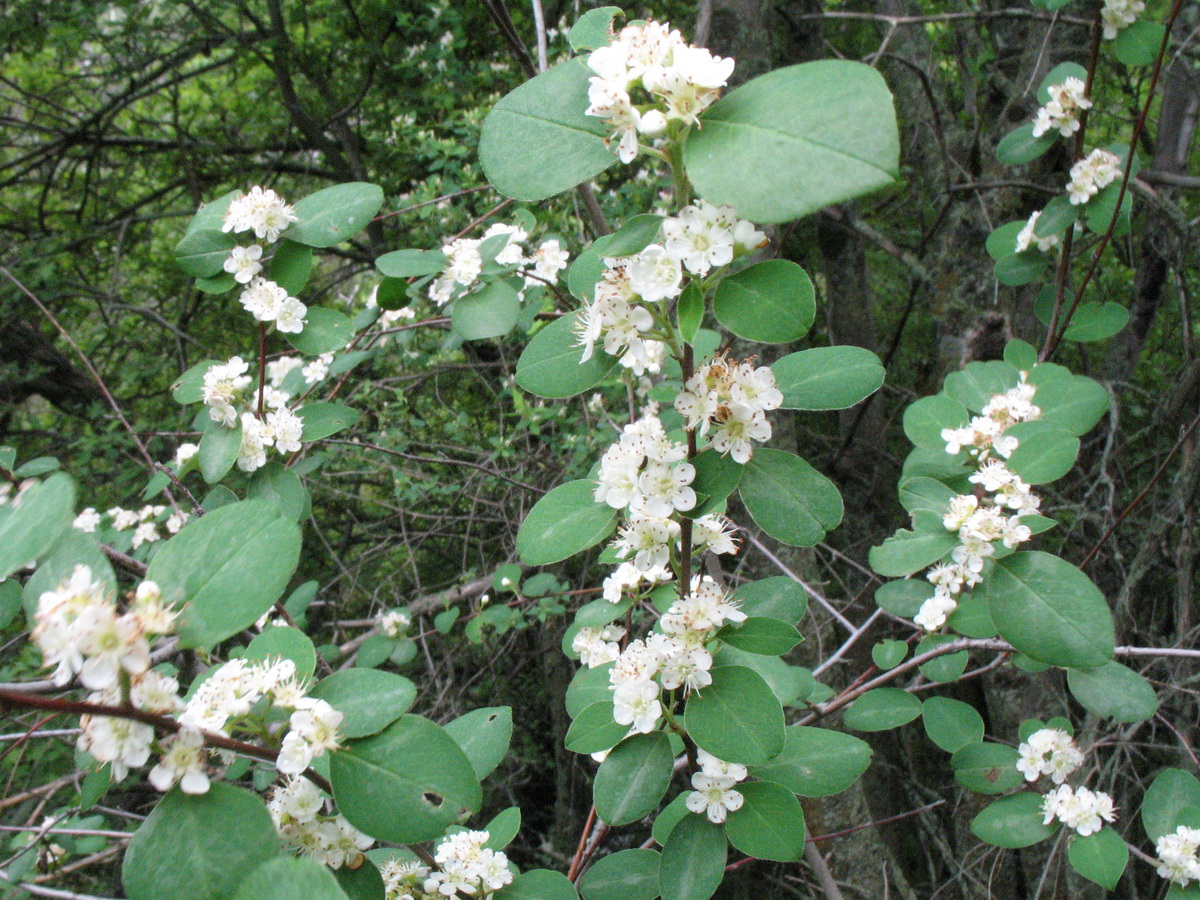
(737, 718)
(816, 762)
(334, 214)
(770, 824)
(564, 522)
(951, 724)
(1114, 691)
(633, 778)
(551, 364)
(625, 875)
(827, 377)
(882, 709)
(693, 859)
(788, 498)
(368, 699)
(771, 301)
(1013, 822)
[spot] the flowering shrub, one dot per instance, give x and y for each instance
(704, 734)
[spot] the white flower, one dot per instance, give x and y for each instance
(261, 211)
(122, 742)
(1026, 237)
(699, 238)
(1117, 15)
(243, 263)
(714, 796)
(1061, 113)
(1177, 855)
(290, 316)
(185, 454)
(395, 622)
(735, 434)
(664, 489)
(649, 538)
(263, 299)
(1080, 809)
(87, 520)
(317, 368)
(1091, 175)
(286, 428)
(637, 706)
(182, 762)
(655, 275)
(1049, 751)
(597, 646)
(715, 534)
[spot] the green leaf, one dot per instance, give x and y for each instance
(189, 387)
(537, 142)
(945, 668)
(903, 598)
(925, 493)
(219, 448)
(1049, 610)
(771, 301)
(1138, 44)
(796, 140)
(1021, 268)
(693, 859)
(228, 568)
(770, 824)
(503, 827)
(1171, 796)
(30, 526)
(882, 709)
(633, 237)
(202, 254)
(550, 366)
(363, 883)
(690, 312)
(1113, 691)
(369, 700)
(908, 552)
(281, 487)
(411, 263)
(717, 476)
(925, 419)
(562, 523)
(1096, 322)
(761, 635)
(633, 778)
(284, 642)
(95, 785)
(592, 31)
(1013, 822)
(986, 768)
(290, 266)
(625, 875)
(587, 687)
(737, 718)
(594, 729)
(1020, 355)
(538, 884)
(973, 618)
(1043, 456)
(1099, 857)
(975, 385)
(488, 313)
(322, 420)
(405, 784)
(827, 377)
(1002, 242)
(287, 878)
(1019, 146)
(788, 498)
(1059, 74)
(484, 735)
(1074, 403)
(889, 654)
(334, 214)
(199, 846)
(779, 597)
(325, 330)
(789, 684)
(951, 724)
(816, 762)
(1057, 216)
(10, 602)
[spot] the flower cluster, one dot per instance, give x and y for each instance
(992, 514)
(649, 77)
(295, 808)
(1078, 808)
(1049, 751)
(404, 879)
(1027, 237)
(224, 388)
(700, 238)
(266, 214)
(597, 646)
(1091, 175)
(394, 623)
(733, 399)
(465, 262)
(467, 867)
(714, 793)
(1061, 113)
(1117, 15)
(125, 744)
(1177, 855)
(281, 429)
(677, 657)
(144, 521)
(80, 630)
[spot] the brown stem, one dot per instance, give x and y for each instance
(262, 365)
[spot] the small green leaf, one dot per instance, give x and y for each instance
(368, 699)
(633, 237)
(281, 487)
(1139, 43)
(779, 597)
(551, 365)
(816, 762)
(1019, 146)
(1059, 74)
(827, 377)
(1113, 691)
(925, 419)
(188, 387)
(1043, 456)
(882, 709)
(334, 214)
(690, 312)
(219, 448)
(282, 642)
(1100, 857)
(737, 718)
(538, 884)
(716, 478)
(562, 523)
(908, 552)
(587, 687)
(1171, 798)
(322, 420)
(411, 263)
(951, 724)
(788, 498)
(30, 528)
(770, 823)
(592, 31)
(633, 778)
(889, 654)
(761, 635)
(503, 827)
(594, 729)
(325, 330)
(289, 878)
(290, 266)
(771, 301)
(986, 768)
(1013, 822)
(487, 313)
(202, 254)
(903, 598)
(404, 784)
(693, 859)
(625, 875)
(975, 385)
(484, 736)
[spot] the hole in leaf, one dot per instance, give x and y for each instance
(434, 800)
